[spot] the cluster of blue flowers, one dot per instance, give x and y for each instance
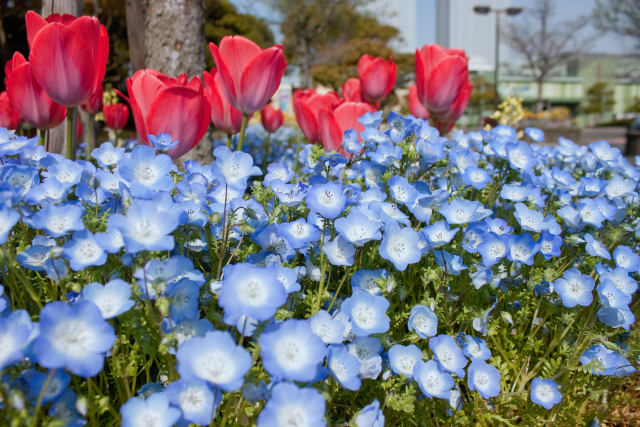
(321, 274)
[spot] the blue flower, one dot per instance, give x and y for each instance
(589, 212)
(461, 211)
(75, 337)
(344, 367)
(8, 218)
(339, 251)
(399, 127)
(58, 220)
(146, 172)
(152, 411)
(474, 348)
(484, 378)
(529, 219)
(250, 291)
(432, 379)
(83, 251)
(452, 264)
(520, 155)
(595, 247)
(493, 248)
(522, 248)
(162, 142)
(575, 288)
(351, 143)
(621, 279)
(214, 358)
(367, 350)
(535, 134)
(329, 329)
(611, 296)
(290, 405)
(605, 361)
(370, 416)
(545, 393)
(196, 400)
(385, 154)
(476, 177)
(371, 120)
(550, 245)
(423, 321)
(14, 339)
(368, 313)
(183, 300)
(327, 200)
(403, 358)
(402, 191)
(236, 167)
(368, 280)
(439, 233)
(400, 246)
(620, 317)
(291, 351)
(624, 257)
(146, 226)
(107, 155)
(277, 172)
(358, 229)
(446, 351)
(112, 299)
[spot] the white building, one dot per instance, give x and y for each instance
(401, 14)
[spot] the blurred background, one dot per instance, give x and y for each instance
(573, 63)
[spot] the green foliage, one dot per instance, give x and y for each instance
(599, 99)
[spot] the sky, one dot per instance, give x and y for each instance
(564, 9)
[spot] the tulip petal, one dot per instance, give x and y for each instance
(261, 79)
(34, 23)
(329, 131)
(445, 83)
(306, 120)
(229, 84)
(348, 113)
(60, 64)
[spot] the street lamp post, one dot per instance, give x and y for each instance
(510, 11)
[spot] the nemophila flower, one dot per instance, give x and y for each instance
(483, 378)
(277, 171)
(368, 280)
(431, 151)
(550, 245)
(8, 218)
(476, 177)
(146, 227)
(595, 247)
(514, 192)
(214, 358)
(400, 246)
(35, 380)
(535, 134)
(589, 212)
(461, 211)
(522, 248)
(619, 187)
(250, 291)
(58, 220)
(269, 239)
(367, 350)
(146, 173)
(112, 299)
(618, 317)
(574, 288)
(621, 278)
(571, 217)
(498, 226)
(66, 171)
(236, 167)
(474, 348)
(520, 155)
(603, 360)
(298, 233)
(451, 263)
(195, 398)
(623, 256)
(439, 233)
(287, 276)
(370, 416)
(339, 251)
(183, 299)
(403, 358)
(75, 337)
(162, 141)
(481, 277)
(399, 127)
(388, 213)
(402, 191)
(492, 249)
(290, 405)
(83, 251)
(446, 351)
(432, 379)
(529, 219)
(473, 237)
(327, 200)
(153, 411)
(344, 367)
(423, 321)
(358, 229)
(368, 313)
(329, 329)
(14, 340)
(291, 351)
(545, 393)
(611, 296)
(107, 155)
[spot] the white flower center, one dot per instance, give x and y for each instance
(215, 366)
(364, 315)
(192, 399)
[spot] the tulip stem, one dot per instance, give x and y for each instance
(91, 135)
(229, 140)
(43, 134)
(245, 119)
(70, 113)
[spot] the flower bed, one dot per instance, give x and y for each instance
(419, 279)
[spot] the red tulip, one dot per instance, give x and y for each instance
(115, 115)
(415, 106)
(94, 104)
(377, 77)
(333, 123)
(351, 91)
(8, 116)
(307, 104)
(28, 99)
(68, 55)
(272, 118)
(223, 115)
(250, 75)
(176, 106)
(442, 80)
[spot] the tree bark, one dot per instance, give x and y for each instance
(136, 12)
(56, 136)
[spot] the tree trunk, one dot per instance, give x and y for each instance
(539, 101)
(56, 136)
(135, 11)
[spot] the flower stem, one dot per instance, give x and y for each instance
(243, 128)
(229, 140)
(70, 113)
(41, 396)
(91, 135)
